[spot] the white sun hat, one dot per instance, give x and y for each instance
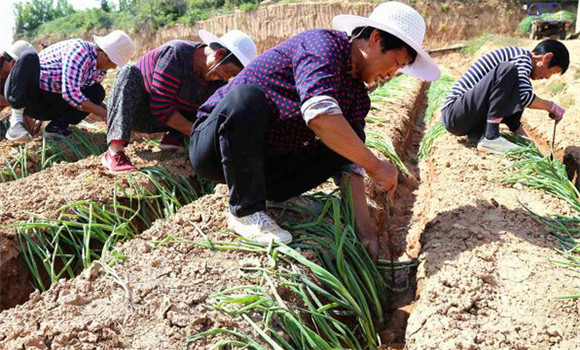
(19, 48)
(238, 42)
(117, 45)
(403, 22)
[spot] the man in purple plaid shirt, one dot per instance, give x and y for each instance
(62, 83)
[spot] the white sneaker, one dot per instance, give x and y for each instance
(497, 146)
(18, 132)
(259, 228)
(300, 202)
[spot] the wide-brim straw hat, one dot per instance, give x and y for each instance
(236, 41)
(405, 23)
(117, 45)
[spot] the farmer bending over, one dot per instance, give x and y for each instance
(17, 130)
(497, 88)
(295, 117)
(62, 82)
(164, 89)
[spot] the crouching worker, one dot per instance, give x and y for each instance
(17, 130)
(62, 82)
(296, 115)
(164, 89)
(496, 89)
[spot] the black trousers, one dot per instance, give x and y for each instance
(22, 91)
(230, 146)
(495, 96)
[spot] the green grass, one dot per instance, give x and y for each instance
(557, 87)
(525, 26)
(473, 45)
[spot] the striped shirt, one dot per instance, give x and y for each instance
(69, 66)
(520, 57)
(168, 76)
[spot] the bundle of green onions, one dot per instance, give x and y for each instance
(78, 146)
(86, 230)
(342, 295)
(384, 144)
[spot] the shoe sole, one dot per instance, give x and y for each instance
(21, 138)
(104, 163)
(489, 150)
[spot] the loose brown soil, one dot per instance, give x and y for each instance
(485, 279)
(161, 298)
(43, 193)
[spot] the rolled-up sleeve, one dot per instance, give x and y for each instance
(167, 78)
(76, 61)
(317, 72)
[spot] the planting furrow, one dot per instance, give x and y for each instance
(566, 145)
(149, 290)
(50, 200)
(485, 280)
(182, 277)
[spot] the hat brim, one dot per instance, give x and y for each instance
(423, 68)
(115, 59)
(209, 38)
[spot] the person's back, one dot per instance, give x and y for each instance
(522, 58)
(497, 88)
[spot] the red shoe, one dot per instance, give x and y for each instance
(171, 142)
(117, 163)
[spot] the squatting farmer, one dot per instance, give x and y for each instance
(164, 89)
(62, 82)
(296, 115)
(17, 130)
(496, 89)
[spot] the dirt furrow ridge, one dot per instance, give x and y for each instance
(485, 280)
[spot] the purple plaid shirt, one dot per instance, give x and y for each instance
(69, 66)
(314, 63)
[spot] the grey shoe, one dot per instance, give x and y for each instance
(18, 132)
(497, 146)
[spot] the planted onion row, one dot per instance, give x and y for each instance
(78, 146)
(86, 230)
(342, 297)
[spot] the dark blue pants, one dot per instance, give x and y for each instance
(230, 146)
(22, 91)
(496, 95)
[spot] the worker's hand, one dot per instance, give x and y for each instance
(556, 112)
(371, 243)
(386, 176)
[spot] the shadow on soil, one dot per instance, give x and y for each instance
(465, 228)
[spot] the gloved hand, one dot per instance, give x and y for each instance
(556, 112)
